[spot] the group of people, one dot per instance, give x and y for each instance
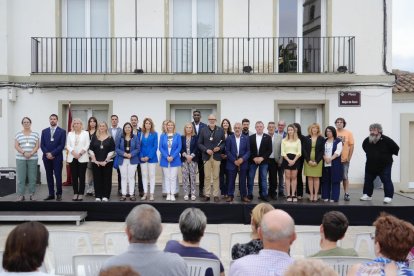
(273, 233)
(217, 153)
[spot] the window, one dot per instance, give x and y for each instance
(183, 113)
(193, 19)
(85, 23)
(304, 114)
(86, 109)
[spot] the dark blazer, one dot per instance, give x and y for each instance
(193, 148)
(231, 151)
(337, 169)
(265, 149)
(56, 146)
(204, 142)
(319, 148)
(201, 126)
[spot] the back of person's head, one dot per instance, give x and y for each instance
(25, 247)
(334, 225)
(192, 223)
(310, 267)
(394, 236)
(143, 224)
(119, 271)
(277, 226)
(257, 214)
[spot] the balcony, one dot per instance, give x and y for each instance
(182, 55)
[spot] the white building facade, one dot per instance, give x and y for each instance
(274, 59)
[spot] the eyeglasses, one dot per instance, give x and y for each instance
(211, 119)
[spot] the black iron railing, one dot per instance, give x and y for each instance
(176, 55)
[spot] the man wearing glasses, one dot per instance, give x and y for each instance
(280, 172)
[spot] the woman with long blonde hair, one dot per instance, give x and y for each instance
(148, 157)
(189, 153)
(291, 152)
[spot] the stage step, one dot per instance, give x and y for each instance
(76, 216)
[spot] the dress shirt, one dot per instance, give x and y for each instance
(272, 156)
(258, 141)
(237, 144)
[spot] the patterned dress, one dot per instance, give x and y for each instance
(240, 250)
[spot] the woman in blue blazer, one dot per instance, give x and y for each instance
(189, 152)
(127, 151)
(170, 147)
(148, 157)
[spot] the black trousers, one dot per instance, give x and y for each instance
(272, 168)
(102, 180)
(299, 190)
(78, 171)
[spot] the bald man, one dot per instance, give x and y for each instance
(277, 231)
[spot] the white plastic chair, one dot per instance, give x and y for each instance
(412, 264)
(64, 245)
(1, 258)
(88, 265)
(364, 237)
(239, 237)
(311, 242)
(115, 242)
(341, 264)
(198, 266)
(210, 241)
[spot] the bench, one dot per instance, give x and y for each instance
(76, 216)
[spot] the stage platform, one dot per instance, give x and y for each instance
(304, 212)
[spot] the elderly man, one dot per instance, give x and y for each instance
(277, 231)
(192, 223)
(143, 227)
(211, 143)
(379, 150)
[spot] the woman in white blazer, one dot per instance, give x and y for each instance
(77, 145)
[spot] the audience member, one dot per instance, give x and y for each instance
(198, 125)
(310, 267)
(119, 271)
(189, 159)
(148, 157)
(192, 224)
(379, 150)
(143, 228)
(291, 151)
(224, 178)
(333, 228)
(25, 249)
(52, 144)
(277, 231)
(394, 238)
(26, 144)
(255, 245)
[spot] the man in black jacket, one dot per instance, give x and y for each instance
(379, 150)
(211, 143)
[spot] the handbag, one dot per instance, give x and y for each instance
(116, 162)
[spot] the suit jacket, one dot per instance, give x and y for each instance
(277, 148)
(193, 148)
(204, 142)
(175, 150)
(149, 147)
(265, 149)
(319, 148)
(231, 152)
(134, 151)
(56, 146)
(201, 126)
(117, 135)
(84, 142)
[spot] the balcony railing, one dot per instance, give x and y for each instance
(177, 55)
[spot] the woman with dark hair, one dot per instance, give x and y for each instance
(26, 144)
(25, 249)
(92, 130)
(127, 152)
(393, 240)
(189, 153)
(224, 180)
(148, 157)
(332, 168)
(302, 138)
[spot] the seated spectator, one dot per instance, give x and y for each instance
(333, 228)
(119, 271)
(25, 249)
(143, 228)
(255, 245)
(394, 238)
(192, 223)
(277, 231)
(310, 267)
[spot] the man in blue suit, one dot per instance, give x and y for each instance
(238, 152)
(52, 143)
(116, 132)
(198, 125)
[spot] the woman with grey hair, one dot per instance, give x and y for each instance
(192, 224)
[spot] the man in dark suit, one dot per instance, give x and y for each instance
(116, 132)
(52, 143)
(260, 150)
(198, 125)
(238, 152)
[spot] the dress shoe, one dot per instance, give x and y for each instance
(50, 198)
(229, 199)
(206, 198)
(201, 195)
(58, 197)
(264, 198)
(216, 199)
(250, 197)
(245, 199)
(274, 197)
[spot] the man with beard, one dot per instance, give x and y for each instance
(379, 150)
(246, 126)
